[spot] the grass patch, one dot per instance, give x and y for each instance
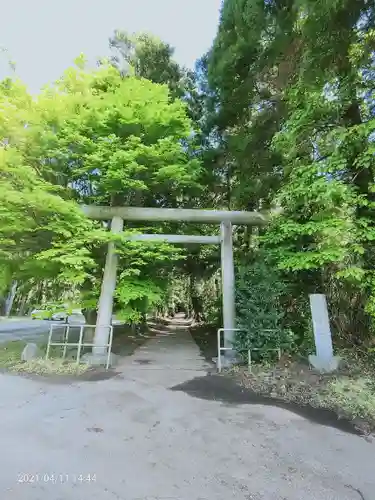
(10, 359)
(10, 353)
(354, 396)
(50, 367)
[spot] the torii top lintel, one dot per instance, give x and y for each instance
(175, 214)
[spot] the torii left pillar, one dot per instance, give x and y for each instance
(105, 306)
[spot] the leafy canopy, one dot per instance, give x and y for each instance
(93, 137)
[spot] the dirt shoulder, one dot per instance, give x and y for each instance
(349, 392)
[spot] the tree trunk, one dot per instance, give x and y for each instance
(21, 310)
(10, 299)
(196, 301)
(91, 316)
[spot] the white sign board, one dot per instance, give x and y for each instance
(324, 360)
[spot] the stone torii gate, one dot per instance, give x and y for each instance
(117, 215)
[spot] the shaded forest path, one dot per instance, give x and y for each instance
(171, 351)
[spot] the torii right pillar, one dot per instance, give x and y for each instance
(228, 287)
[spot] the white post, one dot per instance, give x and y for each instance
(105, 306)
(324, 360)
(228, 290)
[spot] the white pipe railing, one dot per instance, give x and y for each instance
(221, 348)
(65, 344)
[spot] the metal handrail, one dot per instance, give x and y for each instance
(221, 348)
(80, 342)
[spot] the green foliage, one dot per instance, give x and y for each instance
(261, 318)
(293, 89)
(146, 56)
(123, 142)
(136, 296)
(142, 284)
(92, 138)
(317, 216)
(5, 278)
(283, 118)
(37, 221)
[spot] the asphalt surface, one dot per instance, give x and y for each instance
(32, 330)
(23, 329)
(147, 434)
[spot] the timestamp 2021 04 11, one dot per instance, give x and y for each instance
(55, 478)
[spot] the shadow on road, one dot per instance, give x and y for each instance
(225, 390)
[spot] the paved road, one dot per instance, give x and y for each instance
(23, 329)
(133, 438)
(30, 330)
